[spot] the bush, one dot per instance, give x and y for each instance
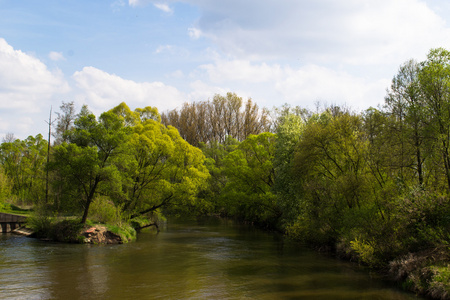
(365, 251)
(424, 219)
(67, 231)
(126, 232)
(103, 210)
(440, 282)
(41, 224)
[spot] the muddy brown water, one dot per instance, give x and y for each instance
(210, 259)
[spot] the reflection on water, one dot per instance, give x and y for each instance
(187, 260)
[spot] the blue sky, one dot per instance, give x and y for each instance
(164, 53)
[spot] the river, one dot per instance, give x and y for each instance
(214, 259)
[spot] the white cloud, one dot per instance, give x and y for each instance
(300, 86)
(203, 91)
(164, 7)
(27, 86)
(322, 31)
(178, 74)
(102, 91)
(241, 70)
(164, 48)
(194, 33)
(354, 32)
(134, 2)
(313, 83)
(56, 56)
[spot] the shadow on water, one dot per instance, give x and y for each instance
(209, 259)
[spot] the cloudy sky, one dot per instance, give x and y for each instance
(164, 53)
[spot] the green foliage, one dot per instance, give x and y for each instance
(41, 222)
(423, 220)
(434, 80)
(85, 167)
(250, 177)
(440, 282)
(67, 231)
(104, 211)
(5, 188)
(215, 154)
(365, 251)
(126, 232)
(289, 131)
(329, 170)
(159, 170)
(23, 163)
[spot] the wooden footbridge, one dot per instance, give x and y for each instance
(10, 222)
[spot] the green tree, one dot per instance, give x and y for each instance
(159, 169)
(250, 179)
(215, 154)
(5, 188)
(24, 162)
(290, 125)
(85, 166)
(434, 80)
(330, 169)
(405, 104)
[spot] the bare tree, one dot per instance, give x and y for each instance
(65, 121)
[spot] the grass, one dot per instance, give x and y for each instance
(126, 232)
(13, 209)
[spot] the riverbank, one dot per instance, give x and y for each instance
(424, 273)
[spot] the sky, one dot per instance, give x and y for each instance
(165, 53)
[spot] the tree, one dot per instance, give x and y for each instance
(329, 167)
(434, 80)
(85, 166)
(215, 120)
(65, 121)
(5, 187)
(23, 163)
(159, 169)
(290, 126)
(215, 154)
(405, 104)
(250, 179)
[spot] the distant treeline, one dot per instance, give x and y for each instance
(218, 119)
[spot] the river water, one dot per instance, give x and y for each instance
(214, 259)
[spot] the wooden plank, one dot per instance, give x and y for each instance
(23, 231)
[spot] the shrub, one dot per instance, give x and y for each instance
(41, 223)
(126, 232)
(365, 251)
(103, 210)
(440, 283)
(66, 231)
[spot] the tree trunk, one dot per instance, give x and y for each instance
(89, 200)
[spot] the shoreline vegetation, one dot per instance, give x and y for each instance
(372, 186)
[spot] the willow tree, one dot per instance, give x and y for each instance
(159, 169)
